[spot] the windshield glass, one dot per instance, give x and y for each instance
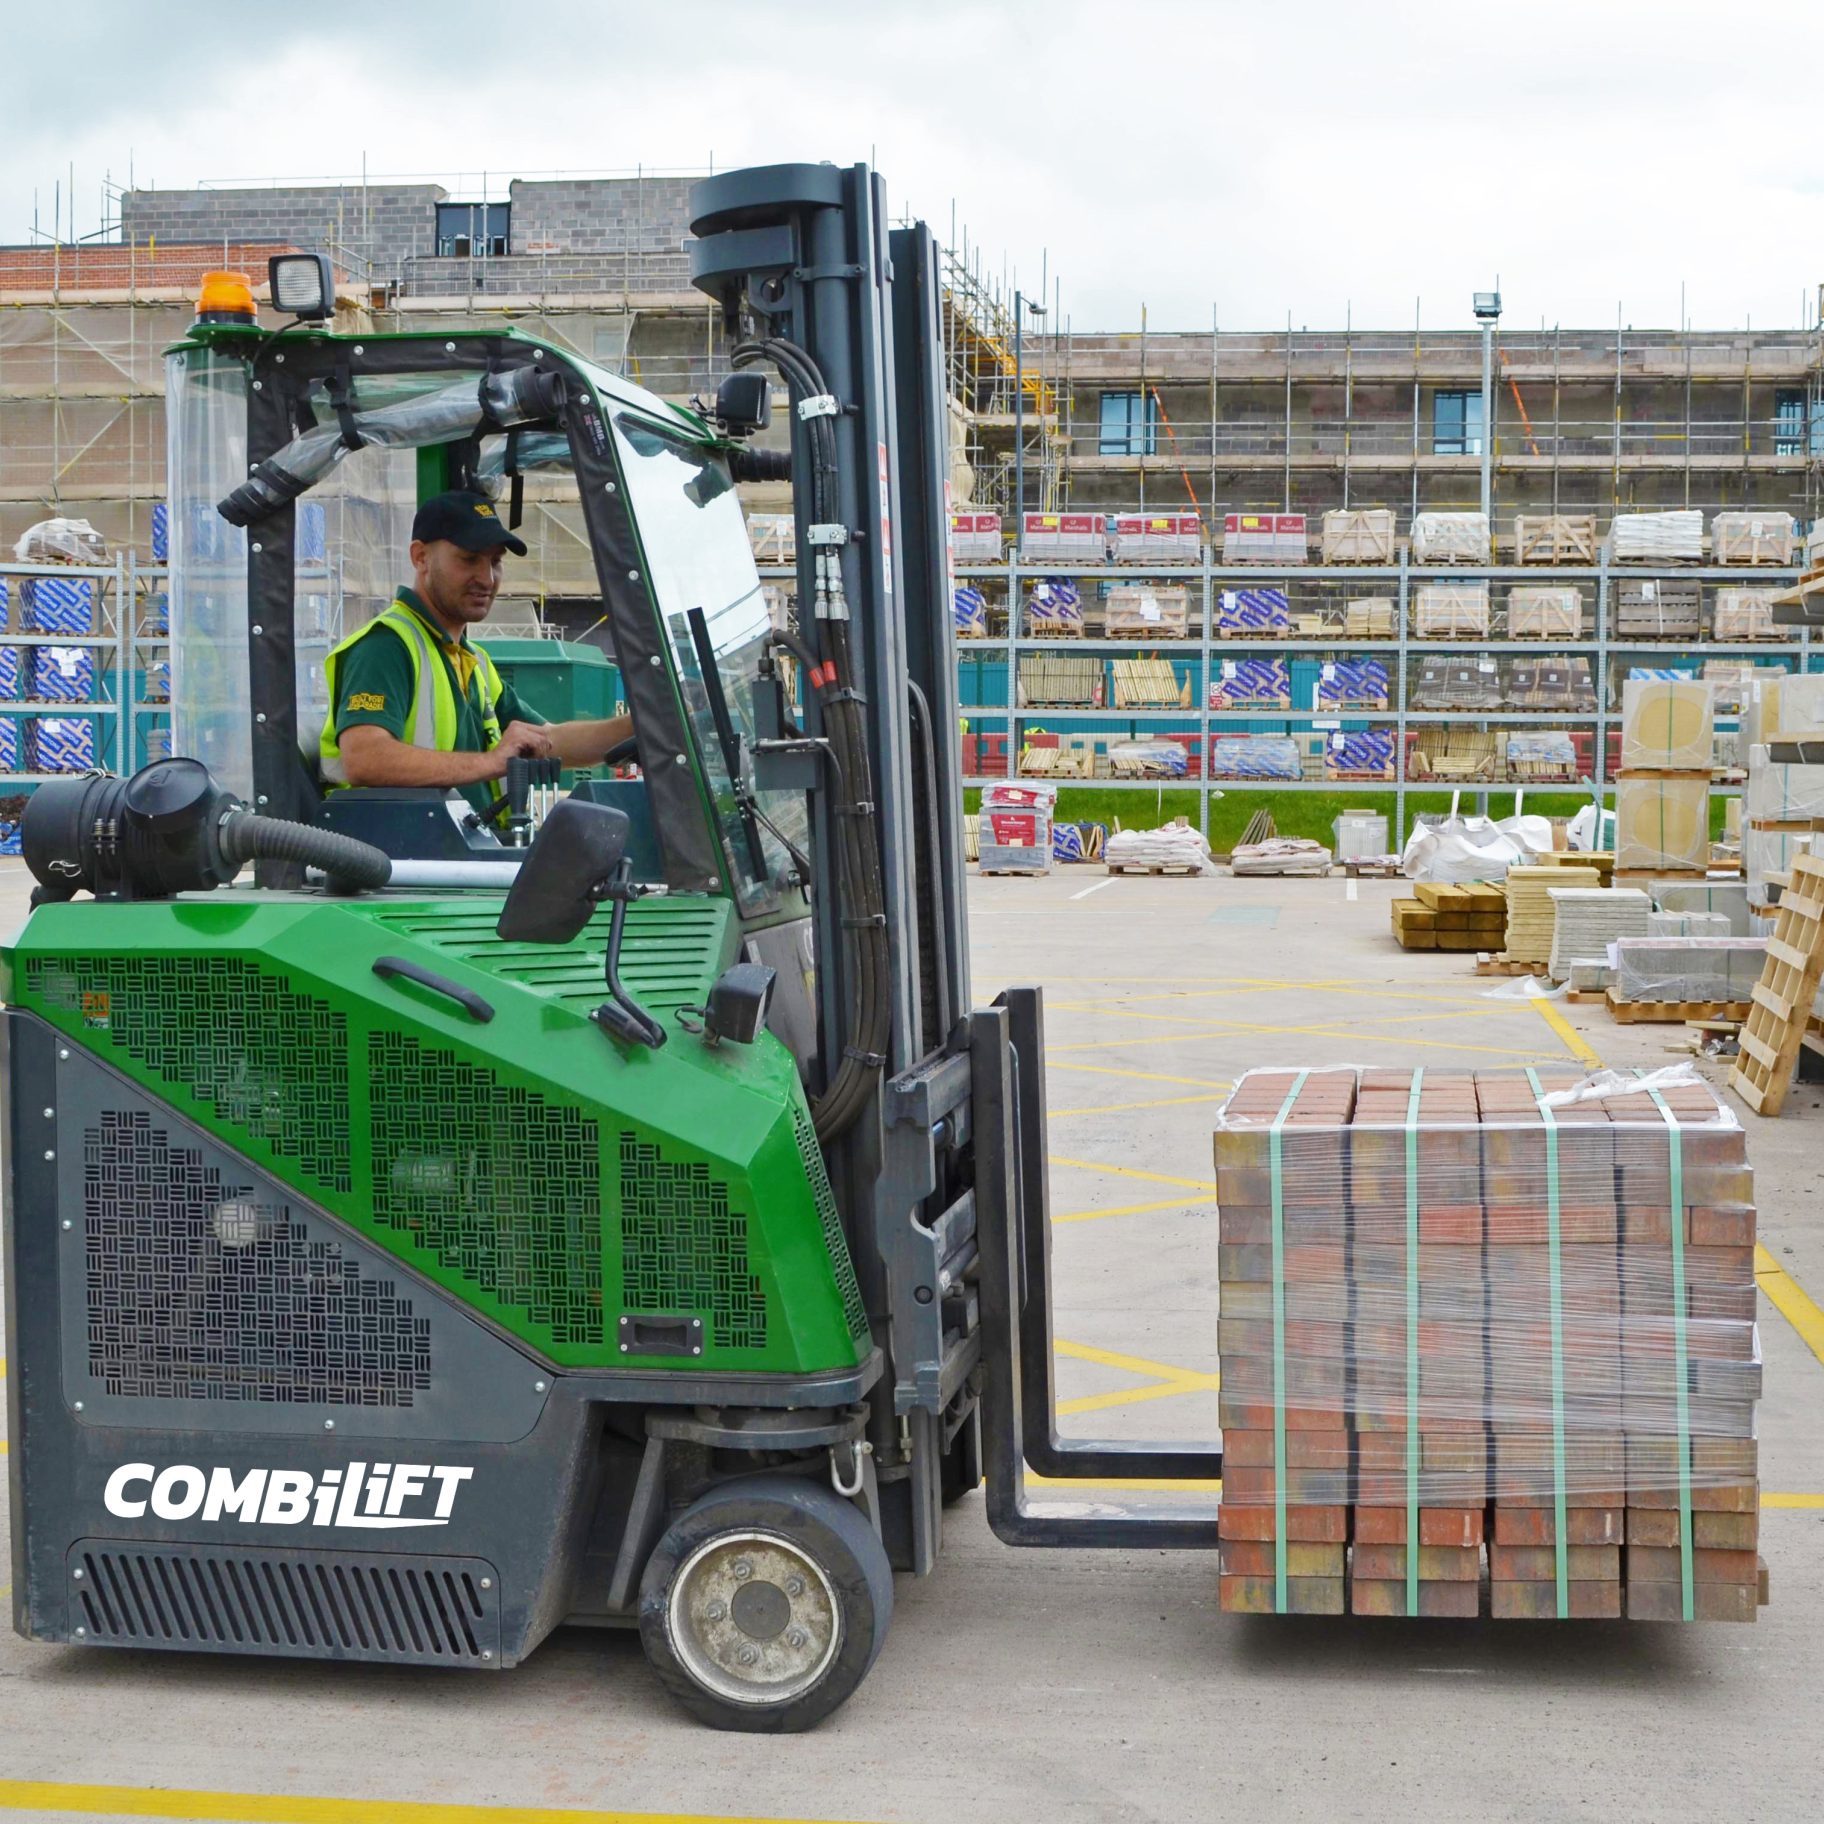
(697, 550)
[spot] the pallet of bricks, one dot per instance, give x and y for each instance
(1486, 1324)
(1446, 916)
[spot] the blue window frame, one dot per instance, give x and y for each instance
(1130, 424)
(1456, 424)
(1789, 421)
(472, 228)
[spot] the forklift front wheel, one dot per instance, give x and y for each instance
(765, 1603)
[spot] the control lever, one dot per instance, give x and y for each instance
(621, 1014)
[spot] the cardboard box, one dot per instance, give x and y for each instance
(1662, 821)
(1667, 725)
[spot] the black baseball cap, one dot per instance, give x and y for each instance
(466, 519)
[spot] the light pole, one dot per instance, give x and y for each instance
(1487, 306)
(1020, 308)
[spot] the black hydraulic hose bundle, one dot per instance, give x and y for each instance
(827, 657)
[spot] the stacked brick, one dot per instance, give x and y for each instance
(1473, 1336)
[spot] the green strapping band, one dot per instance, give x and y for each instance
(1412, 1346)
(1560, 1545)
(1275, 1156)
(1675, 1154)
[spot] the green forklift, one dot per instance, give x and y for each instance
(620, 1194)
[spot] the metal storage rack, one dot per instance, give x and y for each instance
(1206, 649)
(123, 592)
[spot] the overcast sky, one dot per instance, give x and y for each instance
(1266, 158)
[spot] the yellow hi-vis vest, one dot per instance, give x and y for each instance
(431, 720)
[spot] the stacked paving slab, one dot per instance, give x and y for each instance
(1486, 1331)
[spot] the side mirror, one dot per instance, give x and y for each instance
(565, 873)
(744, 403)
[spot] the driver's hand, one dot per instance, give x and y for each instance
(525, 738)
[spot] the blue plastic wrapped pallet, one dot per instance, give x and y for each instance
(11, 672)
(61, 744)
(161, 532)
(9, 839)
(971, 610)
(1053, 606)
(1352, 683)
(1254, 757)
(1360, 750)
(9, 745)
(62, 674)
(58, 604)
(1252, 684)
(1253, 611)
(158, 681)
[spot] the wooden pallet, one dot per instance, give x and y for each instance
(1587, 997)
(1500, 963)
(1373, 870)
(1634, 1013)
(1154, 867)
(1774, 1026)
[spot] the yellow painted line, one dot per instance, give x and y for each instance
(1790, 1299)
(284, 1808)
(1807, 1501)
(1139, 1484)
(1229, 1028)
(1578, 1046)
(1128, 1364)
(1133, 1396)
(1206, 1185)
(1122, 1108)
(1129, 1209)
(1144, 1076)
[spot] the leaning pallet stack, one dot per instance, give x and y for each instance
(1785, 994)
(1463, 1310)
(1662, 797)
(1529, 909)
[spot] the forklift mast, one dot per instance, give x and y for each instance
(812, 280)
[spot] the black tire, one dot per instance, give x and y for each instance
(812, 1645)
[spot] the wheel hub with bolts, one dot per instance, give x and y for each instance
(753, 1618)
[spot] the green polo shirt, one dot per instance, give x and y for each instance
(376, 673)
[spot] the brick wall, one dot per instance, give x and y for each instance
(112, 267)
(601, 215)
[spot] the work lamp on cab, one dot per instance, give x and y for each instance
(302, 285)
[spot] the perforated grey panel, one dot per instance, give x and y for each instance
(199, 1290)
(198, 1294)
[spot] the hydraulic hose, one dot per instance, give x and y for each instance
(246, 836)
(861, 890)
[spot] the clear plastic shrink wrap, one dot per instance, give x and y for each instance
(1503, 1316)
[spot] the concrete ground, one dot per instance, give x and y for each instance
(1079, 1686)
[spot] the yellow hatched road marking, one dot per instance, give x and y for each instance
(1144, 1076)
(283, 1808)
(1790, 1299)
(1207, 1186)
(1166, 1381)
(1122, 1108)
(1127, 1209)
(1579, 1047)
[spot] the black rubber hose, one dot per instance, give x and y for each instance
(246, 836)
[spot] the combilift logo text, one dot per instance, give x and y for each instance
(385, 1495)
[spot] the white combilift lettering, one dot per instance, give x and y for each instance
(326, 1496)
(408, 1480)
(178, 1492)
(376, 1488)
(287, 1498)
(389, 1495)
(227, 1496)
(114, 1496)
(448, 1481)
(352, 1478)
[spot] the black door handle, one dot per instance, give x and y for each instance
(467, 999)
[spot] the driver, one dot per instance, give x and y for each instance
(414, 701)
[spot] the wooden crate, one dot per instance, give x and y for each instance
(1450, 611)
(1555, 538)
(1656, 609)
(1353, 536)
(1754, 537)
(1454, 756)
(1774, 1027)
